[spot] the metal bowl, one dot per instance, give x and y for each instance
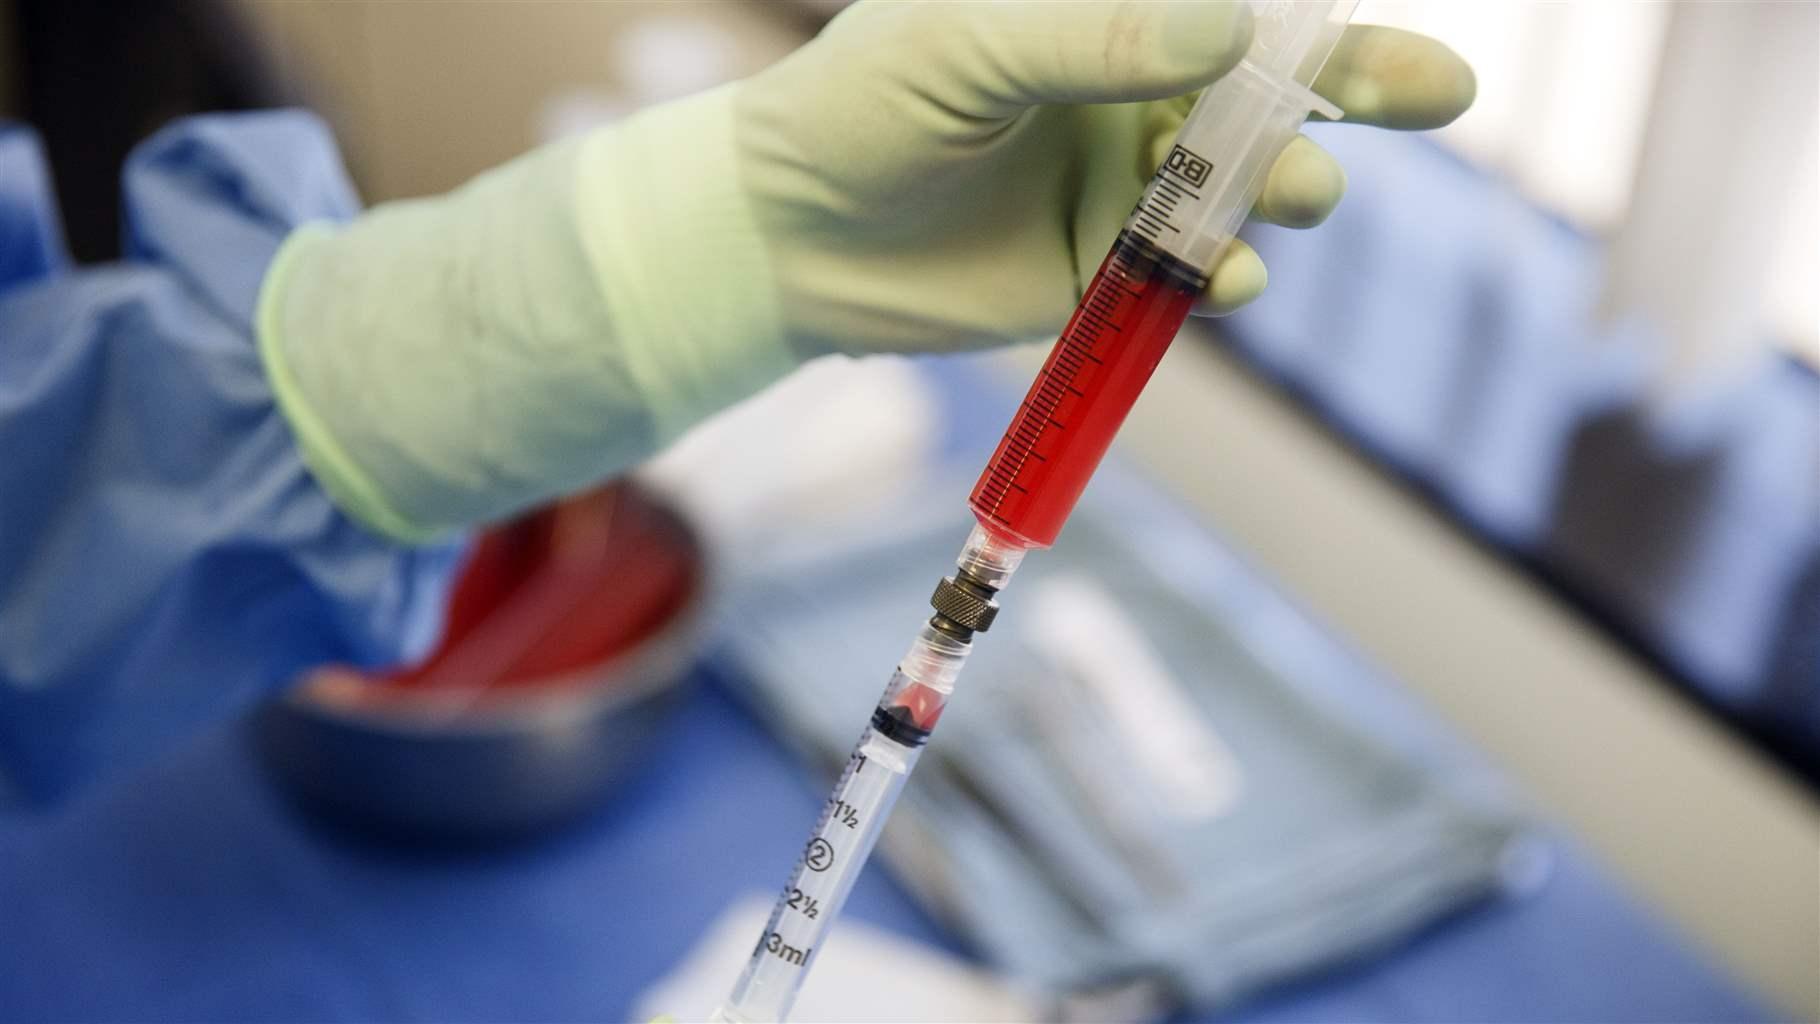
(567, 638)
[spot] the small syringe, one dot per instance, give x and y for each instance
(1130, 312)
(869, 785)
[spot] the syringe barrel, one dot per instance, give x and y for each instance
(848, 828)
(1213, 174)
(821, 881)
(1133, 308)
(1158, 265)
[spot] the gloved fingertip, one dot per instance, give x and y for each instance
(1304, 186)
(1393, 78)
(1239, 279)
(1206, 40)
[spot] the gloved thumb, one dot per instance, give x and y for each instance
(993, 60)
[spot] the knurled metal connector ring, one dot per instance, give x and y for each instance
(963, 606)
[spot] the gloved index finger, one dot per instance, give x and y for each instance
(992, 61)
(1392, 78)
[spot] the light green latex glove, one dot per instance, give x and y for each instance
(920, 176)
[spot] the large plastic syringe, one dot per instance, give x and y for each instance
(1130, 312)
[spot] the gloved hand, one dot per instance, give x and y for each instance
(951, 175)
(927, 176)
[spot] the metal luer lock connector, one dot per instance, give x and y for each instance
(963, 606)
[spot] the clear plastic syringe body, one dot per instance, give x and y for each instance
(869, 785)
(1158, 265)
(1131, 310)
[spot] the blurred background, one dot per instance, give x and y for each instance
(1482, 555)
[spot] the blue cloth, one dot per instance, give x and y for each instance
(31, 240)
(192, 892)
(164, 556)
(1449, 328)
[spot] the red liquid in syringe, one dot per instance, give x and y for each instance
(1132, 309)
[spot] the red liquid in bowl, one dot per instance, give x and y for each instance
(549, 600)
